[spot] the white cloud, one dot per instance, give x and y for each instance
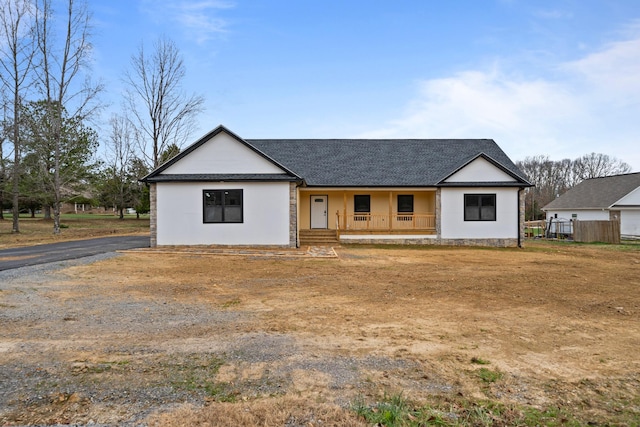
(594, 106)
(613, 71)
(198, 19)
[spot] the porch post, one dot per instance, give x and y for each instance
(438, 213)
(390, 210)
(344, 218)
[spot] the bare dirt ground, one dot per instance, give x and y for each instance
(151, 338)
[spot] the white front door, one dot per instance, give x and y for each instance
(318, 211)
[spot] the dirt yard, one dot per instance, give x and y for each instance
(183, 338)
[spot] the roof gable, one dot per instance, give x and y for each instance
(220, 153)
(481, 169)
(597, 193)
(631, 199)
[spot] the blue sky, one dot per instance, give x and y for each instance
(559, 78)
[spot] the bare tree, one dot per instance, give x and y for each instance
(161, 110)
(549, 179)
(596, 165)
(119, 184)
(16, 62)
(59, 74)
(3, 168)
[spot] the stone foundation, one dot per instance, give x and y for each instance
(498, 243)
(293, 215)
(153, 216)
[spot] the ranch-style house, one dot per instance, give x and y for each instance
(228, 191)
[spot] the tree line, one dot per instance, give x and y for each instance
(50, 103)
(551, 178)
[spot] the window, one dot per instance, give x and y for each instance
(479, 207)
(361, 207)
(222, 206)
(362, 204)
(405, 207)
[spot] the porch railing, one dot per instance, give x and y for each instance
(381, 222)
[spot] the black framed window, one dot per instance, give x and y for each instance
(405, 203)
(362, 207)
(362, 203)
(479, 207)
(405, 207)
(222, 206)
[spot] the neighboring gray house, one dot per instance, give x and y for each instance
(609, 198)
(226, 190)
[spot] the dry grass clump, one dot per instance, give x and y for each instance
(282, 411)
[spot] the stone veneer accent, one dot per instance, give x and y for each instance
(293, 214)
(500, 243)
(153, 216)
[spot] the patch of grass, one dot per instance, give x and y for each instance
(197, 374)
(479, 361)
(489, 376)
(550, 417)
(396, 411)
(391, 411)
(3, 305)
(221, 392)
(231, 303)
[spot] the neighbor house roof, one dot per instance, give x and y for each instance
(362, 162)
(596, 193)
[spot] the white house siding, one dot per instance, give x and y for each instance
(630, 223)
(581, 214)
(223, 154)
(480, 170)
(265, 211)
(452, 223)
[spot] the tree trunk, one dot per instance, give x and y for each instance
(121, 216)
(47, 212)
(56, 185)
(16, 181)
(56, 218)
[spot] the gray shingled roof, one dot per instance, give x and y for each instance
(381, 162)
(359, 162)
(596, 193)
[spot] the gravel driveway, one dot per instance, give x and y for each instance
(74, 353)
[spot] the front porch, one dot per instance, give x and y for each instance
(351, 213)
